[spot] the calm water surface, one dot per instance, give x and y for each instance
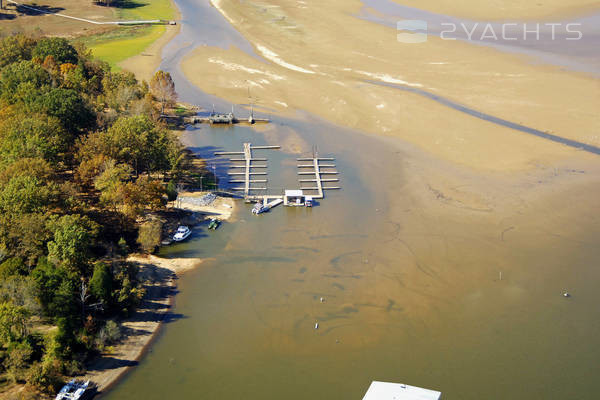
(410, 294)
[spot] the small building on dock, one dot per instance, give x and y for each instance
(399, 391)
(221, 118)
(296, 198)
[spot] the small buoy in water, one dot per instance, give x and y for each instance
(322, 299)
(317, 325)
(566, 294)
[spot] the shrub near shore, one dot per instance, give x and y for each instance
(82, 159)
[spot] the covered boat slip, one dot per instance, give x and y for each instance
(399, 391)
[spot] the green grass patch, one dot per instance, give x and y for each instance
(125, 42)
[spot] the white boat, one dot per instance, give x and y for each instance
(259, 208)
(74, 390)
(183, 232)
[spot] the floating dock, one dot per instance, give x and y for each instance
(320, 173)
(227, 119)
(247, 166)
(315, 164)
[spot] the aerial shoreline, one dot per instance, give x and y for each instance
(446, 192)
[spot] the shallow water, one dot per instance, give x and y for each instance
(552, 45)
(409, 277)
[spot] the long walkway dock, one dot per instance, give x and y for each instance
(248, 166)
(315, 164)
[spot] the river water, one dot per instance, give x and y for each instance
(410, 281)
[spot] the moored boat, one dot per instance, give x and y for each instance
(259, 208)
(183, 232)
(214, 223)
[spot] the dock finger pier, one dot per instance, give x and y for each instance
(249, 174)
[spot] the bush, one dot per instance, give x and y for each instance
(45, 376)
(109, 334)
(123, 248)
(101, 282)
(149, 235)
(18, 358)
(11, 267)
(171, 191)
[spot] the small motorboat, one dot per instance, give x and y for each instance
(74, 390)
(183, 232)
(214, 223)
(259, 208)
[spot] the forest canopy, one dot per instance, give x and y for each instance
(83, 159)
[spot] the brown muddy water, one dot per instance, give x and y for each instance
(431, 274)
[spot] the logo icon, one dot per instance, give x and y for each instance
(417, 29)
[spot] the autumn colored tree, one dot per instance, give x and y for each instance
(163, 88)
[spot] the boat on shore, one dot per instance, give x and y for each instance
(183, 232)
(74, 390)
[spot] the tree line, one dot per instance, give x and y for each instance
(83, 157)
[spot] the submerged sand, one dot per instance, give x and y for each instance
(317, 61)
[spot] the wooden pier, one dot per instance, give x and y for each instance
(315, 164)
(319, 172)
(248, 166)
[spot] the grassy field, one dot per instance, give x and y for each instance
(118, 45)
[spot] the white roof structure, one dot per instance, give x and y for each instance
(294, 193)
(399, 391)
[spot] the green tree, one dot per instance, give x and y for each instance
(59, 48)
(65, 104)
(24, 73)
(32, 136)
(11, 267)
(149, 235)
(101, 282)
(13, 322)
(56, 289)
(73, 235)
(26, 194)
(109, 181)
(25, 235)
(15, 48)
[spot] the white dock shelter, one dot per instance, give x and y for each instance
(399, 391)
(294, 198)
